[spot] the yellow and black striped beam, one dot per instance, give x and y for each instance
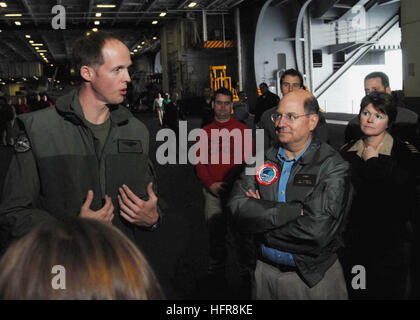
(218, 44)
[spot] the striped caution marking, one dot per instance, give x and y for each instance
(218, 44)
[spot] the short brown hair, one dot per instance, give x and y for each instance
(383, 103)
(87, 50)
(100, 263)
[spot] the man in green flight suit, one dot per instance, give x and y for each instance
(87, 156)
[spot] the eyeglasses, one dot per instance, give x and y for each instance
(290, 117)
(223, 103)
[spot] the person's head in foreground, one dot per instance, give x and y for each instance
(76, 259)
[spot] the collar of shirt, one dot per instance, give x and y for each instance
(386, 148)
(285, 172)
(281, 155)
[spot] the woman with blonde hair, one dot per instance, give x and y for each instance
(90, 260)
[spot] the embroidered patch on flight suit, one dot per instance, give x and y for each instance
(130, 146)
(267, 174)
(22, 144)
(304, 180)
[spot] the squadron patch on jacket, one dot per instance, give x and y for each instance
(22, 144)
(267, 174)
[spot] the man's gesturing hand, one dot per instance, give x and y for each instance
(105, 214)
(135, 210)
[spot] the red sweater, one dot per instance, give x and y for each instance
(218, 172)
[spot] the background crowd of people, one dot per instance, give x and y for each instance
(16, 105)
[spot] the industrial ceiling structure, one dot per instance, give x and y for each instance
(41, 31)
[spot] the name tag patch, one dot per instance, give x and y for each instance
(267, 174)
(304, 180)
(130, 146)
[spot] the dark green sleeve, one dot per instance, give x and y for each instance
(18, 208)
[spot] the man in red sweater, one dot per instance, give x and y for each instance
(229, 144)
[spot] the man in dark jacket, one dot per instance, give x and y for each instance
(296, 205)
(87, 156)
(265, 101)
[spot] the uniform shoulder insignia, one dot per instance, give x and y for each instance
(22, 144)
(410, 147)
(344, 145)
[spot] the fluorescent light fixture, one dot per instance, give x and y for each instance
(143, 42)
(154, 38)
(42, 51)
(97, 22)
(37, 44)
(18, 23)
(98, 14)
(154, 22)
(131, 52)
(36, 48)
(162, 14)
(3, 4)
(105, 5)
(95, 29)
(31, 41)
(27, 36)
(51, 65)
(12, 14)
(192, 4)
(1, 30)
(135, 50)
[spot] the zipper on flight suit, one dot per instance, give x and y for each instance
(94, 146)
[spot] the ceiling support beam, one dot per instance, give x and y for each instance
(29, 10)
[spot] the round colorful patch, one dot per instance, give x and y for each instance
(267, 174)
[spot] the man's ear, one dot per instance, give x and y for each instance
(87, 73)
(313, 121)
(388, 90)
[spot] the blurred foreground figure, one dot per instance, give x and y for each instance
(82, 259)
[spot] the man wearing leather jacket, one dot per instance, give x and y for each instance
(296, 205)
